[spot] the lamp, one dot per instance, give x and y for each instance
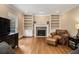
(77, 27)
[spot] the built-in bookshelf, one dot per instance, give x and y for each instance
(54, 22)
(28, 25)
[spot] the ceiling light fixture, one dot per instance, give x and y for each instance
(41, 12)
(57, 11)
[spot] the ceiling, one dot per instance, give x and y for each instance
(45, 9)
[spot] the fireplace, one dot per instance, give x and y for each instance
(41, 31)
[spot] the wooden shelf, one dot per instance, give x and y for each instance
(54, 22)
(28, 24)
(27, 16)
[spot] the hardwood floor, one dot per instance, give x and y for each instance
(39, 46)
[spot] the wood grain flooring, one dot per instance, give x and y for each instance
(39, 46)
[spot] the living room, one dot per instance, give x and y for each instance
(42, 28)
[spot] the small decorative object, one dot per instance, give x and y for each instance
(34, 22)
(47, 22)
(77, 27)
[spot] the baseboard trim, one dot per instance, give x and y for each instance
(27, 36)
(33, 36)
(21, 37)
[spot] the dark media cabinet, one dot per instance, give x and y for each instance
(5, 35)
(11, 39)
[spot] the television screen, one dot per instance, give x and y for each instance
(4, 26)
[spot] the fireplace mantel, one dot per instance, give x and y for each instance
(35, 30)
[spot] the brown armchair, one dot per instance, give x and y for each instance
(62, 36)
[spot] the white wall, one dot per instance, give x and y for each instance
(69, 19)
(3, 11)
(20, 24)
(41, 19)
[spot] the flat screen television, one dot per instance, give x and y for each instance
(4, 26)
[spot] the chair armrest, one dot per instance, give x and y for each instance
(52, 34)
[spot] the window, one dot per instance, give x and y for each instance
(13, 22)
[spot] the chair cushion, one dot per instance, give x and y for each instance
(57, 36)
